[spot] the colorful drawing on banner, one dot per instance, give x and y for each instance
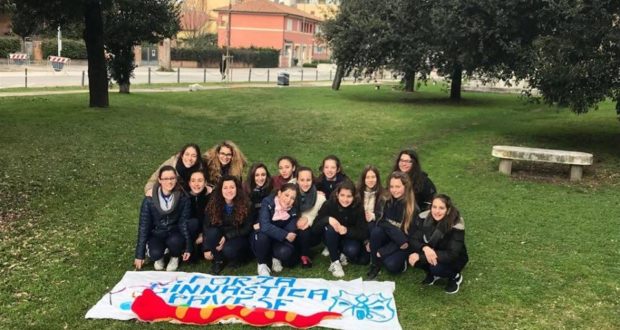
(374, 307)
(151, 308)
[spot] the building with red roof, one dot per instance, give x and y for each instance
(261, 23)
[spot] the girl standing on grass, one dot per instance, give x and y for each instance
(225, 158)
(343, 226)
(227, 225)
(273, 242)
(423, 188)
(309, 201)
(287, 168)
(257, 186)
(185, 162)
(163, 223)
(331, 175)
(439, 244)
(389, 239)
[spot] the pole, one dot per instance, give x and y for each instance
(26, 78)
(178, 75)
(204, 75)
(250, 75)
(228, 41)
(317, 75)
(59, 39)
(302, 74)
(83, 76)
(149, 75)
(330, 74)
(268, 75)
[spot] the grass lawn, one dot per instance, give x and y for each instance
(543, 251)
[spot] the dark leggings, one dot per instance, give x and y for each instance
(380, 239)
(194, 226)
(158, 243)
(265, 248)
(439, 270)
(306, 240)
(354, 250)
(234, 248)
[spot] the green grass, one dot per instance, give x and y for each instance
(543, 251)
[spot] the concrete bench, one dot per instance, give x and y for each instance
(577, 160)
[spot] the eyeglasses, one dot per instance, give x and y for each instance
(405, 161)
(168, 179)
(225, 154)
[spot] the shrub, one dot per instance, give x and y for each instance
(9, 45)
(309, 65)
(254, 57)
(71, 48)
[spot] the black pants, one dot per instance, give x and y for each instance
(194, 226)
(439, 270)
(158, 243)
(265, 248)
(306, 240)
(395, 260)
(336, 244)
(234, 249)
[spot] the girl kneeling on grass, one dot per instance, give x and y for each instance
(423, 188)
(225, 158)
(344, 229)
(185, 162)
(273, 241)
(227, 225)
(389, 239)
(257, 186)
(198, 197)
(163, 223)
(310, 201)
(439, 244)
(331, 175)
(370, 192)
(287, 169)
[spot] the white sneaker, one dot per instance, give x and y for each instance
(159, 264)
(325, 252)
(343, 259)
(263, 270)
(173, 264)
(336, 269)
(276, 265)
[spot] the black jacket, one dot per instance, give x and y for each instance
(198, 204)
(389, 215)
(227, 226)
(155, 221)
(327, 187)
(351, 217)
(448, 243)
(256, 197)
(424, 197)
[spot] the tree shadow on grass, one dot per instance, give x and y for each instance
(421, 98)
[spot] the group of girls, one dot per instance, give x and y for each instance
(198, 205)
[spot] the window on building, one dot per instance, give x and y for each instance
(289, 24)
(223, 21)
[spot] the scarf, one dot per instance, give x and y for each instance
(308, 199)
(369, 201)
(280, 212)
(185, 172)
(433, 231)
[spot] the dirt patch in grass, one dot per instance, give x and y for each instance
(14, 206)
(594, 175)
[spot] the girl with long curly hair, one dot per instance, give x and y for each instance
(225, 158)
(226, 224)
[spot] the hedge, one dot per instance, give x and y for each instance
(9, 45)
(254, 57)
(73, 49)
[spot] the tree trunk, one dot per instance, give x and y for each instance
(455, 86)
(93, 37)
(409, 80)
(123, 88)
(338, 78)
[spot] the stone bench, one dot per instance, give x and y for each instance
(577, 160)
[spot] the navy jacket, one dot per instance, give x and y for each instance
(155, 221)
(276, 229)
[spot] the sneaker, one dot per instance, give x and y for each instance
(325, 252)
(406, 264)
(336, 269)
(173, 264)
(454, 284)
(343, 259)
(263, 270)
(276, 265)
(306, 262)
(373, 272)
(430, 279)
(216, 267)
(159, 264)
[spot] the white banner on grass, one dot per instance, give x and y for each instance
(363, 304)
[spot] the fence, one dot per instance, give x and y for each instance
(78, 76)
